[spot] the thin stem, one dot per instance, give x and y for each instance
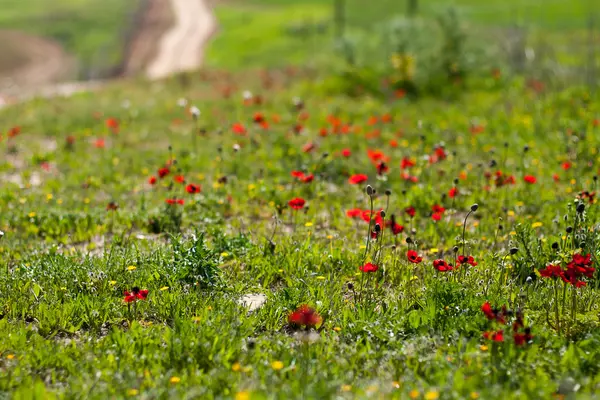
(464, 230)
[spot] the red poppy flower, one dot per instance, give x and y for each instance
(566, 165)
(346, 153)
(354, 213)
(308, 147)
(587, 195)
(407, 163)
(259, 118)
(163, 172)
(522, 338)
(297, 174)
(297, 203)
(175, 201)
(368, 267)
(452, 193)
(14, 131)
(551, 271)
(497, 336)
(395, 227)
(112, 124)
(436, 208)
(413, 257)
(436, 216)
(193, 189)
(179, 178)
(307, 178)
(358, 178)
(410, 211)
(152, 180)
(135, 294)
(461, 260)
(494, 314)
(442, 266)
(323, 132)
(377, 155)
(530, 179)
(382, 168)
(238, 129)
(99, 143)
(305, 316)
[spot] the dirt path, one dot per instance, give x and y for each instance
(181, 48)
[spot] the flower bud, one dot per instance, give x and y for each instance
(474, 207)
(555, 246)
(382, 213)
(369, 190)
(513, 251)
(569, 229)
(409, 240)
(455, 249)
(580, 208)
(388, 192)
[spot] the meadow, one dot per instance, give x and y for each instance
(91, 31)
(254, 234)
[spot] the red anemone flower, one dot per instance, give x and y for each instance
(179, 178)
(297, 174)
(354, 213)
(135, 294)
(305, 316)
(466, 260)
(530, 179)
(407, 163)
(193, 189)
(238, 129)
(307, 178)
(358, 178)
(551, 271)
(297, 203)
(413, 257)
(163, 172)
(368, 267)
(442, 266)
(346, 153)
(152, 180)
(174, 201)
(410, 211)
(382, 168)
(452, 193)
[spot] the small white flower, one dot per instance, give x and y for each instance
(247, 95)
(1, 234)
(297, 101)
(236, 147)
(182, 102)
(195, 111)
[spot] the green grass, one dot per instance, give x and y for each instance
(406, 330)
(91, 30)
(555, 28)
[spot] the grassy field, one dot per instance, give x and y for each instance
(91, 30)
(124, 189)
(303, 29)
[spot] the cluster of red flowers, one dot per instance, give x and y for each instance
(305, 316)
(579, 267)
(302, 177)
(520, 333)
(500, 179)
(135, 295)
